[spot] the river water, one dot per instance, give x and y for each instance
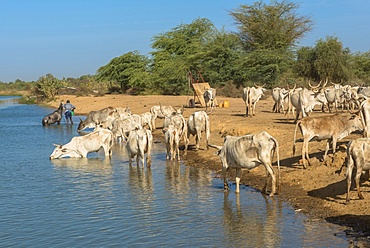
(97, 202)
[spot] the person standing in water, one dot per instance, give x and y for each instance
(69, 111)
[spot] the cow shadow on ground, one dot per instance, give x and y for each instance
(240, 115)
(284, 121)
(316, 158)
(332, 192)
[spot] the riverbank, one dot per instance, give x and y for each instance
(317, 191)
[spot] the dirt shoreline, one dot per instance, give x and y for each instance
(317, 191)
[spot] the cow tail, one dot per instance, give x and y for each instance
(278, 165)
(295, 135)
(208, 130)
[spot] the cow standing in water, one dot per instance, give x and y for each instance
(80, 146)
(54, 117)
(248, 152)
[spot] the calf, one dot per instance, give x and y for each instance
(139, 142)
(210, 98)
(358, 155)
(248, 152)
(172, 139)
(331, 128)
(80, 146)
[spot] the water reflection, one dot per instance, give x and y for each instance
(78, 166)
(258, 226)
(140, 180)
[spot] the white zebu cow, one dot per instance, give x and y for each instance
(121, 127)
(251, 95)
(365, 117)
(146, 120)
(305, 100)
(139, 143)
(178, 121)
(210, 98)
(95, 118)
(358, 155)
(172, 140)
(248, 152)
(166, 110)
(197, 123)
(280, 96)
(80, 146)
(331, 128)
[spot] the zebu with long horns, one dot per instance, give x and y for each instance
(305, 100)
(248, 152)
(251, 95)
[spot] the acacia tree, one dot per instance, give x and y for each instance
(360, 64)
(129, 70)
(178, 51)
(47, 86)
(328, 60)
(269, 34)
(331, 60)
(223, 59)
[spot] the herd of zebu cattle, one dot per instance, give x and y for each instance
(238, 152)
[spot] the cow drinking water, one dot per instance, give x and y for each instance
(248, 152)
(80, 146)
(54, 117)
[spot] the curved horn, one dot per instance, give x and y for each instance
(326, 82)
(160, 108)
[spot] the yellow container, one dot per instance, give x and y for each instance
(226, 104)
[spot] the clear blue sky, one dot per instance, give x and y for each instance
(71, 38)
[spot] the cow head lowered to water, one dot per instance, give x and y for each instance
(80, 146)
(54, 117)
(96, 118)
(248, 152)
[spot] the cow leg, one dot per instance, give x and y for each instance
(326, 148)
(305, 153)
(177, 151)
(270, 172)
(237, 179)
(357, 180)
(186, 143)
(224, 170)
(350, 165)
(254, 108)
(148, 159)
(197, 139)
